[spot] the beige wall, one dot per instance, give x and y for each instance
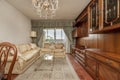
(14, 26)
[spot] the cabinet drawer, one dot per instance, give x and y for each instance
(108, 61)
(105, 60)
(91, 63)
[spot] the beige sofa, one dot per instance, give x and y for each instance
(57, 49)
(27, 54)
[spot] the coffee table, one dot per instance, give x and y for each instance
(46, 62)
(48, 56)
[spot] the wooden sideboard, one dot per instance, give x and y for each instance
(103, 65)
(99, 64)
(80, 56)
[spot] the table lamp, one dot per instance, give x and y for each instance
(33, 35)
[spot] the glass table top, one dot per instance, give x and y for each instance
(48, 56)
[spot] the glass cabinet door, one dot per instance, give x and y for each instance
(94, 16)
(111, 12)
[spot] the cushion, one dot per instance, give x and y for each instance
(45, 49)
(58, 50)
(29, 54)
(22, 48)
(59, 46)
(46, 45)
(52, 47)
(33, 45)
(28, 47)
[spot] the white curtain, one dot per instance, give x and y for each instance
(68, 33)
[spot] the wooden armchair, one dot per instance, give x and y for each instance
(7, 49)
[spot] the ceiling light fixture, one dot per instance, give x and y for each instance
(45, 8)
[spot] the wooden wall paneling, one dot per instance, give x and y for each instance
(79, 42)
(86, 41)
(91, 41)
(94, 42)
(117, 42)
(100, 42)
(82, 41)
(79, 31)
(109, 42)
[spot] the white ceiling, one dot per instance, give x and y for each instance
(68, 9)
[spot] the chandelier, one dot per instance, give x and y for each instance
(45, 8)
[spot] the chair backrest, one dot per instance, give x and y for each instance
(7, 49)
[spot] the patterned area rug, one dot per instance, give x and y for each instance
(60, 69)
(46, 65)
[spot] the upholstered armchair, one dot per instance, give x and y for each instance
(59, 50)
(46, 49)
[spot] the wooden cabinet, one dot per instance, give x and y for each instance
(75, 32)
(111, 12)
(80, 56)
(104, 16)
(81, 25)
(94, 16)
(103, 65)
(99, 64)
(108, 73)
(91, 68)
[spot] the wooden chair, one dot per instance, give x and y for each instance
(7, 49)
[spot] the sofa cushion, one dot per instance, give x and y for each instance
(59, 45)
(29, 54)
(22, 48)
(28, 47)
(58, 50)
(52, 47)
(33, 45)
(45, 49)
(46, 45)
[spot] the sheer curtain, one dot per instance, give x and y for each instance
(68, 33)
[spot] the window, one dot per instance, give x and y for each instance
(54, 34)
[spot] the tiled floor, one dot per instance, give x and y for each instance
(83, 75)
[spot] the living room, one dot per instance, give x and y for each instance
(59, 39)
(17, 26)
